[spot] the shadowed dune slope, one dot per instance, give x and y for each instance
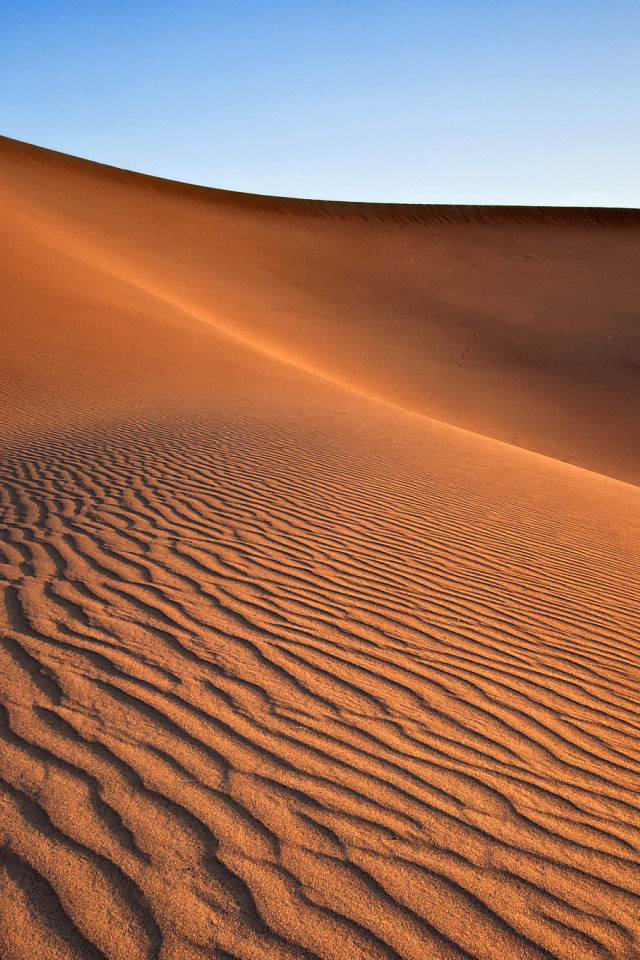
(515, 323)
(288, 671)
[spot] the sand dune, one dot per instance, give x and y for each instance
(299, 659)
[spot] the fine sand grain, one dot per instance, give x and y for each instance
(319, 559)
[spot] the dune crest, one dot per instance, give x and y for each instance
(288, 670)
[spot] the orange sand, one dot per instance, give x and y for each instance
(301, 659)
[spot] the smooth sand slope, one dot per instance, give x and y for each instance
(519, 324)
(288, 670)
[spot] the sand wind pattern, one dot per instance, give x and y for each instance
(246, 713)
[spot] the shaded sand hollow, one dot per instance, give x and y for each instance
(320, 555)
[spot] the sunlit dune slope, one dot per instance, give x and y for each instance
(289, 672)
(519, 324)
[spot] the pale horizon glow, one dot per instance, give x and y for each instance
(504, 102)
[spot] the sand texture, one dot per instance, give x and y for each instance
(320, 572)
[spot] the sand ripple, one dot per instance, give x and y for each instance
(250, 711)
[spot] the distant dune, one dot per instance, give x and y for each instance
(320, 554)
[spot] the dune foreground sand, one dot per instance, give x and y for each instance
(320, 557)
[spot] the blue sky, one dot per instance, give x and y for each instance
(510, 101)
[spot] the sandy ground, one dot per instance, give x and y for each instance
(319, 554)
